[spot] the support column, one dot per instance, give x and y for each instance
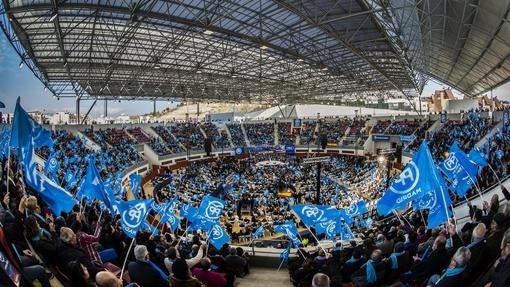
(318, 194)
(78, 110)
(105, 108)
(154, 109)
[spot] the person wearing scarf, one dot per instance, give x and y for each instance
(398, 251)
(352, 264)
(452, 275)
(368, 273)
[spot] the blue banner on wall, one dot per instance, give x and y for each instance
(297, 123)
(380, 138)
(407, 139)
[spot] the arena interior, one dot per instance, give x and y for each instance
(300, 195)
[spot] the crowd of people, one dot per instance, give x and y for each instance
(260, 133)
(86, 246)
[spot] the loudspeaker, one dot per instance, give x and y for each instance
(324, 141)
(208, 146)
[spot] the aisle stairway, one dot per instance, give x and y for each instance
(265, 277)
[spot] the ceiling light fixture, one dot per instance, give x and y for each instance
(263, 47)
(208, 31)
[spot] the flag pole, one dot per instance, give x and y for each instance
(125, 259)
(8, 167)
(281, 263)
(423, 218)
(314, 237)
(493, 171)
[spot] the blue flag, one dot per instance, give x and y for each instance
(188, 211)
(70, 179)
(289, 228)
(5, 137)
(437, 202)
(311, 214)
(357, 209)
(459, 169)
(157, 207)
(218, 236)
(258, 233)
(419, 177)
(345, 232)
(57, 198)
(132, 215)
(173, 221)
(168, 209)
(478, 157)
(25, 130)
(284, 256)
(52, 165)
(135, 180)
(211, 207)
(93, 187)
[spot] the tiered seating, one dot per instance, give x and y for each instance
(466, 132)
(218, 140)
(114, 137)
(307, 132)
(403, 127)
(260, 133)
(172, 145)
(285, 134)
(357, 125)
(335, 130)
(189, 134)
(381, 126)
(139, 135)
(237, 134)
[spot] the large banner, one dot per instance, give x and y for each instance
(288, 149)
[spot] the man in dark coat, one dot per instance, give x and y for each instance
(142, 273)
(433, 262)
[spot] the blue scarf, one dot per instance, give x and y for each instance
(393, 259)
(371, 274)
(41, 233)
(352, 260)
(474, 243)
(426, 253)
(451, 272)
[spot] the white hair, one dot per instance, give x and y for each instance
(462, 256)
(141, 253)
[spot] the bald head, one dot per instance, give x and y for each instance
(320, 280)
(107, 279)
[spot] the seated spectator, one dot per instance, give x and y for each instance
(372, 273)
(499, 275)
(400, 262)
(433, 261)
(210, 278)
(235, 264)
(79, 275)
(452, 275)
(181, 276)
(68, 250)
(142, 272)
(320, 280)
(107, 279)
(172, 254)
(477, 247)
(352, 264)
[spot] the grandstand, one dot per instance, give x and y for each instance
(315, 176)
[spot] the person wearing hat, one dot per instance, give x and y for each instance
(142, 272)
(181, 276)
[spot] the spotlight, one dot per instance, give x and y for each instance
(208, 32)
(21, 64)
(381, 159)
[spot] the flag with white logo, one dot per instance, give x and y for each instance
(132, 215)
(419, 177)
(211, 207)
